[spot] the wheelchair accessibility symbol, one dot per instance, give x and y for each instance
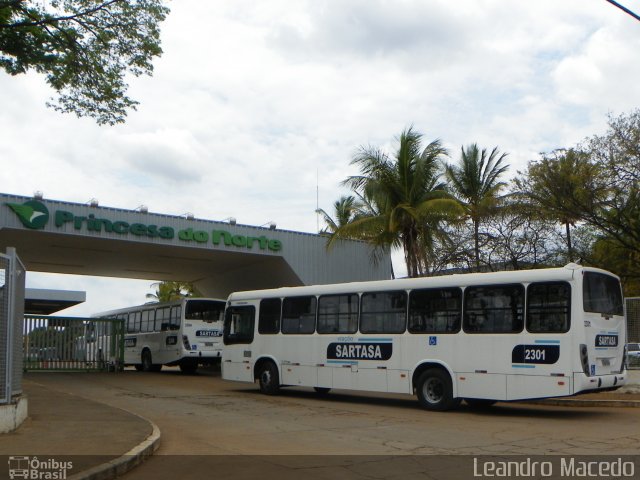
(433, 340)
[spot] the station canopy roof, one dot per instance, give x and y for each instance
(38, 301)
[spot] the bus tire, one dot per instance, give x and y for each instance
(146, 361)
(479, 403)
(435, 390)
(322, 390)
(269, 378)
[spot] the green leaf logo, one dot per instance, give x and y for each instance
(32, 214)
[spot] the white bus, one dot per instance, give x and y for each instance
(481, 337)
(185, 332)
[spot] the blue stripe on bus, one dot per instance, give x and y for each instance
(523, 366)
(548, 341)
(346, 362)
(379, 340)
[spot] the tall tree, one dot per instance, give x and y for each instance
(84, 48)
(561, 185)
(408, 201)
(616, 154)
(476, 184)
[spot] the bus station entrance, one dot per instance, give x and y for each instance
(217, 257)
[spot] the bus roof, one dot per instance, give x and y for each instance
(152, 305)
(565, 273)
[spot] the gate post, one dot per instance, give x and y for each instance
(13, 406)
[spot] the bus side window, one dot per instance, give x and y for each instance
(131, 322)
(384, 312)
(299, 315)
(148, 317)
(162, 319)
(174, 318)
(338, 313)
(138, 315)
(548, 307)
(435, 310)
(269, 317)
(494, 309)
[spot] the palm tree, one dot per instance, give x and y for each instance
(169, 291)
(402, 200)
(344, 209)
(475, 183)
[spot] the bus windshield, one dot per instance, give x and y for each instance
(204, 310)
(602, 294)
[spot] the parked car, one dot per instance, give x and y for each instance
(633, 354)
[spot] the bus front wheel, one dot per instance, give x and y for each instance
(268, 378)
(146, 361)
(435, 390)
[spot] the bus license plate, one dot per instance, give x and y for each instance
(208, 344)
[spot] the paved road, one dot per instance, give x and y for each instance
(204, 415)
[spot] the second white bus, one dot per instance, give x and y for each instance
(186, 332)
(480, 337)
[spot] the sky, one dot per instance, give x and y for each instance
(255, 109)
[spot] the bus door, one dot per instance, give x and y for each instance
(238, 355)
(169, 347)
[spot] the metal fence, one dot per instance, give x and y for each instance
(12, 279)
(632, 314)
(71, 343)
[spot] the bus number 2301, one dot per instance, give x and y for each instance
(541, 354)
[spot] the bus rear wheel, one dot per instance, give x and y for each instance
(147, 362)
(435, 390)
(269, 378)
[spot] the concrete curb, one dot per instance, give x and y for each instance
(13, 414)
(126, 462)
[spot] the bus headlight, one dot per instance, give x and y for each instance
(185, 342)
(584, 359)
